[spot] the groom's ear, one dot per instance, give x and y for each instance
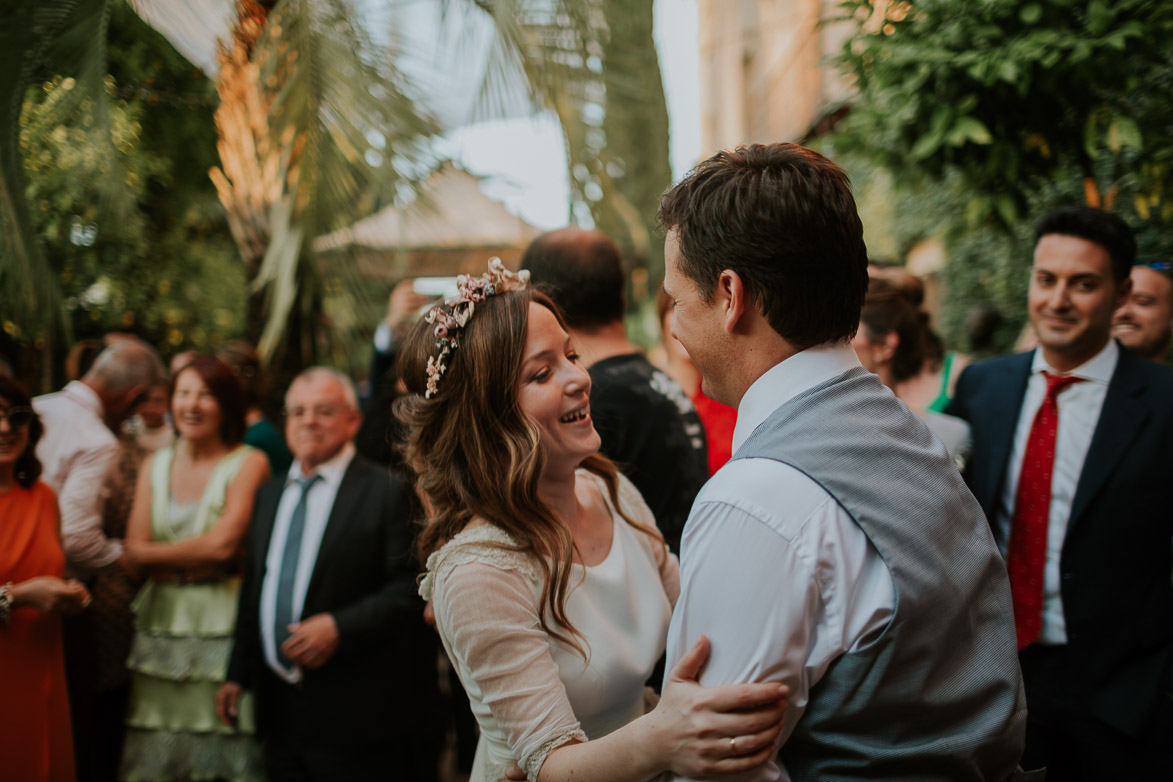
(730, 290)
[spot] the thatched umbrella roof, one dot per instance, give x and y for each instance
(452, 228)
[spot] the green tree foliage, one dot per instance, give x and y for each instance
(31, 33)
(163, 282)
(1013, 94)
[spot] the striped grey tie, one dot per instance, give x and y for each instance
(284, 614)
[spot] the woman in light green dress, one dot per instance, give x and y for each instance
(190, 517)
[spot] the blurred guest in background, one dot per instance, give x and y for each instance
(113, 588)
(191, 512)
(1073, 464)
(932, 386)
(80, 443)
(377, 435)
(982, 322)
(649, 427)
(35, 738)
(403, 306)
(1144, 323)
(330, 635)
(78, 448)
(891, 343)
(179, 361)
(150, 427)
(261, 433)
(719, 420)
(81, 357)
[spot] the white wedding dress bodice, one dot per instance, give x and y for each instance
(530, 691)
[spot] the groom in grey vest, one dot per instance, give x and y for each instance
(839, 550)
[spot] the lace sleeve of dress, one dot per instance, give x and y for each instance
(487, 611)
(634, 506)
(482, 543)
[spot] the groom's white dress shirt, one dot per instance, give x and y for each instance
(773, 570)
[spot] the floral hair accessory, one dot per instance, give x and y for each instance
(457, 311)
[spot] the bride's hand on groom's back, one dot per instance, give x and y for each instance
(726, 729)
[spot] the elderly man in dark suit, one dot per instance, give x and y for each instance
(1073, 464)
(330, 634)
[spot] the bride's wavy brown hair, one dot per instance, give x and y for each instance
(476, 455)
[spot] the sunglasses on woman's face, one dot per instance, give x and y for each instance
(17, 417)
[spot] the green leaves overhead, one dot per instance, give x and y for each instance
(1008, 94)
(73, 33)
(166, 277)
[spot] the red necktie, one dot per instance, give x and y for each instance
(1026, 556)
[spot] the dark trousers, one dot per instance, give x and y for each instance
(294, 753)
(1064, 735)
(289, 762)
(109, 731)
(81, 676)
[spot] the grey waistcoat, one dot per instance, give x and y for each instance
(938, 695)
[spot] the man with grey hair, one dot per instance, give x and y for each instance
(79, 446)
(81, 424)
(327, 631)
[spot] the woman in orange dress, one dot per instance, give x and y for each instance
(36, 741)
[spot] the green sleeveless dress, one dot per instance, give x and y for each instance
(179, 658)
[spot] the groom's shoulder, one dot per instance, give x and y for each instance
(770, 490)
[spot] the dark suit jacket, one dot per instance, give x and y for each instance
(1115, 563)
(384, 671)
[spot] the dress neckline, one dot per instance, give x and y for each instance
(488, 531)
(611, 511)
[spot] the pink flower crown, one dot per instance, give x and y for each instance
(460, 309)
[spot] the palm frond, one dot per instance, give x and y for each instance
(26, 283)
(537, 53)
(318, 129)
(594, 64)
(65, 38)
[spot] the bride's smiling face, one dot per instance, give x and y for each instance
(554, 392)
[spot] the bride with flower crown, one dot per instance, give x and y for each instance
(552, 587)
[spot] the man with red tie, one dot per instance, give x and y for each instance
(1073, 465)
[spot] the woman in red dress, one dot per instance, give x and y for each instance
(36, 741)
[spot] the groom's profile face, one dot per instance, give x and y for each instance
(696, 324)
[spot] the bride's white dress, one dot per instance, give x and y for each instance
(531, 692)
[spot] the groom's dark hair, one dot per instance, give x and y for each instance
(782, 217)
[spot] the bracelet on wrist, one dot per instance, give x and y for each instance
(5, 602)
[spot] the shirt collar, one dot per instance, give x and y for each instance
(1097, 369)
(85, 396)
(331, 470)
(786, 380)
